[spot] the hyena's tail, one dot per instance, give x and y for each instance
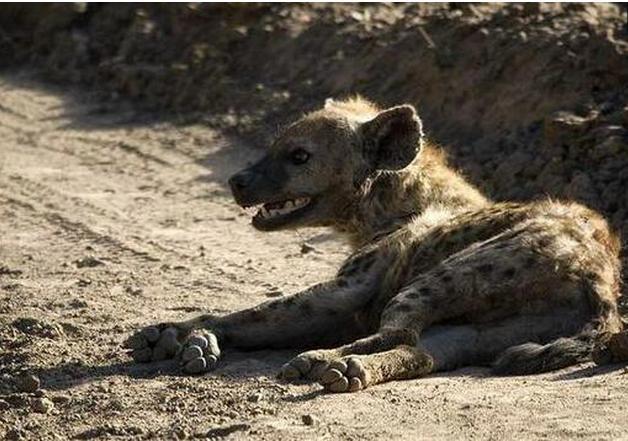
(601, 339)
(533, 358)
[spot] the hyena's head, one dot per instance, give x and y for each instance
(313, 173)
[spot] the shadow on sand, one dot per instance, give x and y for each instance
(234, 364)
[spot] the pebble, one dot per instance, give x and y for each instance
(255, 398)
(88, 262)
(221, 432)
(180, 433)
(274, 293)
(42, 405)
(28, 383)
(61, 399)
(307, 248)
(40, 393)
(14, 435)
(308, 419)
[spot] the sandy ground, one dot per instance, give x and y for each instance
(111, 219)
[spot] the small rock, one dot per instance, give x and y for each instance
(180, 433)
(36, 327)
(17, 400)
(8, 271)
(40, 392)
(221, 432)
(88, 262)
(307, 248)
(84, 282)
(255, 398)
(134, 290)
(61, 399)
(274, 293)
(28, 383)
(42, 405)
(14, 435)
(308, 419)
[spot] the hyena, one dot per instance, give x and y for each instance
(440, 277)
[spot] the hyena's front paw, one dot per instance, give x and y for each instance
(346, 374)
(200, 352)
(155, 343)
(308, 365)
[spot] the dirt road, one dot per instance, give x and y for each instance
(111, 219)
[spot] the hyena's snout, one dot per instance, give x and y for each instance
(241, 184)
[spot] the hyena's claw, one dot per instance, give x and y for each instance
(200, 353)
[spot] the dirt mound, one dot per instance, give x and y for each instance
(529, 99)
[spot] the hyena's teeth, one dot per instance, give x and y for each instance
(284, 208)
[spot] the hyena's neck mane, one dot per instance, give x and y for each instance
(390, 200)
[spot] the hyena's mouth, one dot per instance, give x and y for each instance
(274, 214)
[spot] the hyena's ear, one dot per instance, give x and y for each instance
(393, 138)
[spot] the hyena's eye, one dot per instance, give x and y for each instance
(299, 156)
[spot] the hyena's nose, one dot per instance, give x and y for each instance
(241, 180)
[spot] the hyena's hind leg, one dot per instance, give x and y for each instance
(503, 277)
(447, 347)
(385, 356)
(355, 372)
(546, 290)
